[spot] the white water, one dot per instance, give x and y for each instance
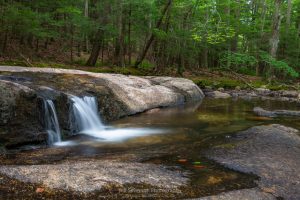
(86, 114)
(88, 122)
(51, 122)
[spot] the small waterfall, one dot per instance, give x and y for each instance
(51, 122)
(85, 119)
(85, 114)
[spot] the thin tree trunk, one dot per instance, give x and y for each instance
(119, 48)
(274, 41)
(288, 13)
(129, 35)
(98, 38)
(234, 45)
(95, 49)
(86, 14)
(78, 50)
(151, 38)
(71, 46)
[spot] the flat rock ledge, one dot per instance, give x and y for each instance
(272, 152)
(137, 93)
(89, 176)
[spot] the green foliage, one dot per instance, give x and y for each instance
(214, 34)
(238, 60)
(278, 65)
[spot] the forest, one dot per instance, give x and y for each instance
(150, 99)
(251, 37)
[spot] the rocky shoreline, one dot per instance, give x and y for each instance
(258, 93)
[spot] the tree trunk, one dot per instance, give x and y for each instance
(95, 49)
(129, 35)
(151, 38)
(274, 41)
(98, 38)
(234, 44)
(86, 14)
(288, 13)
(119, 48)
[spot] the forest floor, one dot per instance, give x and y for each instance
(211, 78)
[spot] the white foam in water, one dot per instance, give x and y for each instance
(121, 134)
(89, 123)
(64, 143)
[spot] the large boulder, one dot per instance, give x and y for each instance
(271, 152)
(117, 95)
(18, 115)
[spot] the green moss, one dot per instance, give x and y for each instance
(13, 63)
(258, 83)
(279, 87)
(218, 82)
(227, 146)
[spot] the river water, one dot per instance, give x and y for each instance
(179, 137)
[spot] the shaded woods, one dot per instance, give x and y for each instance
(253, 37)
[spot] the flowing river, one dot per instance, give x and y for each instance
(175, 137)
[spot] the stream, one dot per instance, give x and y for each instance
(174, 137)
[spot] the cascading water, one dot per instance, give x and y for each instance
(86, 120)
(86, 116)
(51, 122)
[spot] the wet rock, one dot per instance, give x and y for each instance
(263, 91)
(265, 113)
(291, 94)
(237, 88)
(221, 89)
(18, 115)
(272, 152)
(89, 176)
(218, 95)
(246, 194)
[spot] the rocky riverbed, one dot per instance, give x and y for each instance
(208, 156)
(272, 152)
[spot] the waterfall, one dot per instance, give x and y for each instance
(51, 122)
(85, 120)
(85, 114)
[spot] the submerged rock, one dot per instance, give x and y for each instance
(218, 95)
(265, 113)
(271, 152)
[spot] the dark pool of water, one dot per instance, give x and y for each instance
(188, 132)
